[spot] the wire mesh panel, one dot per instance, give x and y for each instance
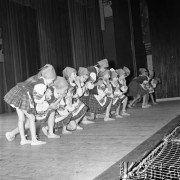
(163, 163)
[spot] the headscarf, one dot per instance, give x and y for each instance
(60, 82)
(103, 63)
(48, 72)
(102, 74)
(68, 71)
(120, 72)
(83, 71)
(113, 74)
(127, 71)
(142, 70)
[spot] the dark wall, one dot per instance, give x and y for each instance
(122, 33)
(128, 35)
(164, 19)
(140, 52)
(59, 32)
(109, 42)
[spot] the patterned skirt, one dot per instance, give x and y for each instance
(95, 107)
(63, 122)
(80, 112)
(18, 97)
(136, 89)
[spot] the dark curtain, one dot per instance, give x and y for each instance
(54, 33)
(165, 37)
(60, 32)
(20, 43)
(86, 32)
(69, 33)
(130, 50)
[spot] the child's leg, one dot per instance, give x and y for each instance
(91, 117)
(21, 117)
(51, 126)
(124, 113)
(145, 101)
(65, 131)
(133, 101)
(34, 141)
(137, 101)
(152, 98)
(86, 121)
(45, 130)
(12, 134)
(77, 123)
(107, 114)
(117, 112)
(147, 98)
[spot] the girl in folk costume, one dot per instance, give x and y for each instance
(137, 89)
(75, 91)
(123, 88)
(83, 76)
(100, 102)
(101, 66)
(86, 85)
(54, 94)
(151, 88)
(89, 85)
(23, 98)
(63, 118)
(116, 93)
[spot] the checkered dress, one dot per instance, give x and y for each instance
(18, 96)
(115, 106)
(95, 107)
(85, 100)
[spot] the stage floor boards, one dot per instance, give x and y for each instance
(83, 155)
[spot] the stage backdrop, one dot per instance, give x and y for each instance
(164, 19)
(60, 32)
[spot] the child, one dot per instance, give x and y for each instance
(83, 76)
(100, 102)
(89, 85)
(54, 94)
(123, 88)
(151, 88)
(75, 92)
(137, 89)
(116, 93)
(63, 118)
(94, 71)
(101, 66)
(22, 98)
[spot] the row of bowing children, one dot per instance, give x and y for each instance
(63, 102)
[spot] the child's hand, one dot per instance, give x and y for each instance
(77, 81)
(48, 94)
(53, 106)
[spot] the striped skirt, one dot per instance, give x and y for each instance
(63, 122)
(79, 112)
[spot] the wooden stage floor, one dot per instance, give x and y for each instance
(85, 154)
